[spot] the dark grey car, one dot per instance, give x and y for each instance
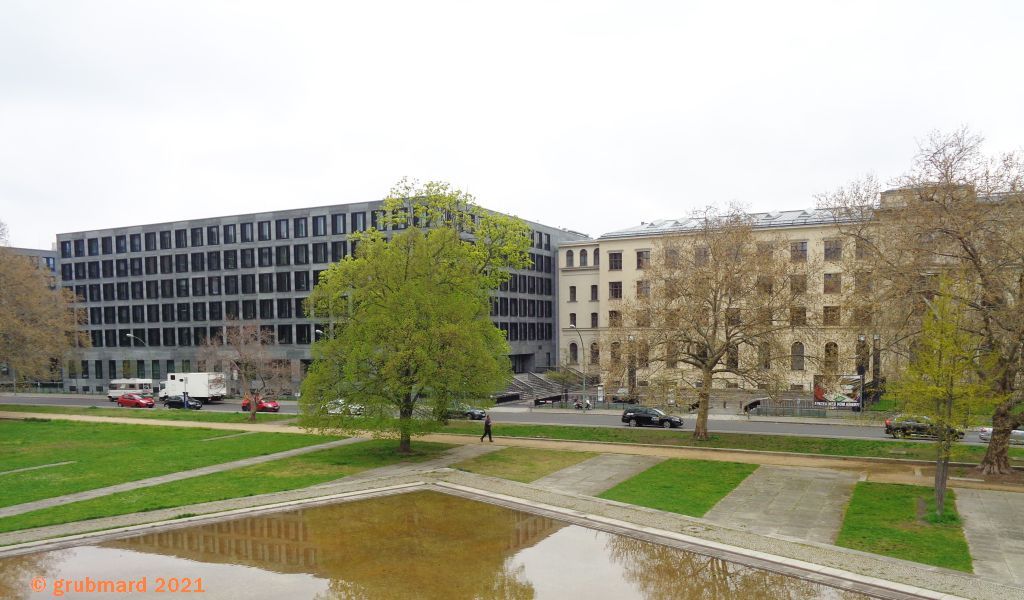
(637, 416)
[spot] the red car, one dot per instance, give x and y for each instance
(135, 401)
(262, 405)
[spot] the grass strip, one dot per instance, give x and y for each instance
(111, 453)
(687, 487)
(522, 464)
(285, 474)
(898, 520)
(740, 441)
(159, 413)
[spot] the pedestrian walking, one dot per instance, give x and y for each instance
(487, 429)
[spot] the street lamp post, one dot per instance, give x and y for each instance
(861, 368)
(631, 374)
(583, 353)
(138, 339)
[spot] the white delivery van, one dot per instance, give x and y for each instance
(205, 387)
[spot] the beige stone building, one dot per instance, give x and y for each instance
(596, 277)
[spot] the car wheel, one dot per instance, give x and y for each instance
(905, 433)
(633, 423)
(666, 424)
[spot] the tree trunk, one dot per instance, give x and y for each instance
(997, 457)
(700, 429)
(405, 427)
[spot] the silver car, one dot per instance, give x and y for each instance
(1016, 436)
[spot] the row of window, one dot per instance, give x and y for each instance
(229, 285)
(213, 235)
(831, 316)
(527, 331)
(797, 356)
(512, 307)
(832, 283)
(281, 308)
(247, 258)
(797, 253)
(153, 337)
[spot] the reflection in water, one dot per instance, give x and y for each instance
(416, 545)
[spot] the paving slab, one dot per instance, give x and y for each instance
(595, 475)
(446, 459)
(786, 501)
(994, 527)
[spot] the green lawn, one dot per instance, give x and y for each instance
(165, 414)
(688, 487)
(522, 464)
(742, 441)
(108, 453)
(286, 474)
(891, 519)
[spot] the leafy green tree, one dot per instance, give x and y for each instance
(941, 380)
(410, 334)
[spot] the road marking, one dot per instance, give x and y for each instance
(22, 470)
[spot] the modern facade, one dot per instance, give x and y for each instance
(152, 294)
(597, 276)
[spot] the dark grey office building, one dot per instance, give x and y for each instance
(154, 293)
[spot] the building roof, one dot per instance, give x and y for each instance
(763, 220)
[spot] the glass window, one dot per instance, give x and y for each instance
(230, 232)
(281, 226)
(121, 244)
(299, 227)
(150, 240)
(180, 238)
(614, 261)
(833, 250)
(264, 231)
(833, 283)
(615, 290)
(643, 259)
(320, 225)
(197, 236)
(246, 232)
(798, 251)
(212, 235)
(570, 260)
(337, 224)
(358, 221)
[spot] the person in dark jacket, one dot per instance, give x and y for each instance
(487, 429)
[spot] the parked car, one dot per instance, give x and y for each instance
(340, 407)
(135, 401)
(181, 402)
(906, 426)
(262, 405)
(637, 416)
(1016, 436)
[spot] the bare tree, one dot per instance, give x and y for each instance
(38, 323)
(715, 302)
(956, 213)
(246, 351)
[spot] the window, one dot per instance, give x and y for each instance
(301, 254)
(732, 357)
(231, 285)
(181, 238)
(198, 261)
(338, 250)
(643, 259)
(862, 282)
(593, 320)
(284, 282)
(862, 315)
(764, 356)
(320, 252)
(246, 232)
(263, 231)
(833, 283)
(798, 251)
(213, 261)
(107, 245)
(230, 232)
(121, 244)
(301, 281)
(299, 227)
(831, 362)
(213, 235)
(266, 283)
(283, 255)
(231, 259)
(320, 225)
(197, 236)
(701, 255)
(358, 221)
(833, 250)
(796, 357)
(595, 355)
(266, 257)
(337, 224)
(797, 316)
(643, 289)
(569, 260)
(572, 293)
(614, 261)
(593, 293)
(798, 284)
(574, 358)
(284, 308)
(830, 316)
(583, 258)
(248, 284)
(281, 225)
(615, 290)
(614, 318)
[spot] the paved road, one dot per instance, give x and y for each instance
(542, 416)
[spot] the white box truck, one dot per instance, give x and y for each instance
(205, 387)
(119, 387)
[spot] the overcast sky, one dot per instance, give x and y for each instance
(591, 115)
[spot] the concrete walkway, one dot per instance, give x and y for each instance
(595, 475)
(797, 503)
(994, 527)
(446, 459)
(17, 509)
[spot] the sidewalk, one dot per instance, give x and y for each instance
(868, 419)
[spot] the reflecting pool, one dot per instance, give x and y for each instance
(414, 545)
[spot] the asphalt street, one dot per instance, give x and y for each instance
(519, 414)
